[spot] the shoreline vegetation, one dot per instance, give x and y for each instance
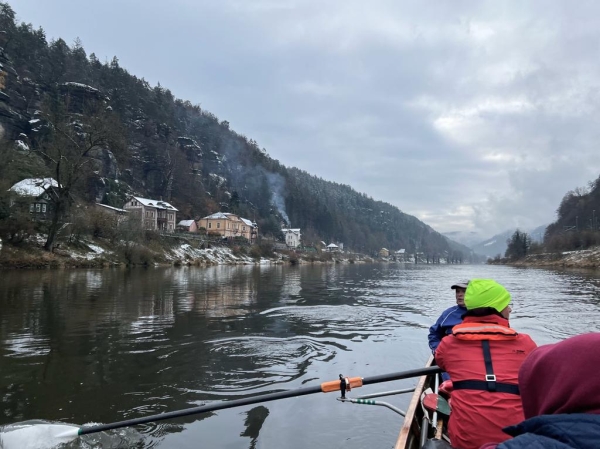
(157, 250)
(579, 259)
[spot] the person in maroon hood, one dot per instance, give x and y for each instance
(560, 391)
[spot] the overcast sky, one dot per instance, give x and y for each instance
(474, 115)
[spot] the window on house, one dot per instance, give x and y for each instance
(43, 208)
(46, 197)
(243, 228)
(31, 207)
(218, 225)
(38, 207)
(209, 225)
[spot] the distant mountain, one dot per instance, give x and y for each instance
(497, 244)
(467, 238)
(470, 255)
(537, 234)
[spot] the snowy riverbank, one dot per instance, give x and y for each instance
(97, 253)
(587, 258)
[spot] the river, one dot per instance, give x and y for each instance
(98, 346)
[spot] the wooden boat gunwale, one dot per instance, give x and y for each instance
(410, 432)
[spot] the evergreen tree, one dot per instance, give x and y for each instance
(518, 245)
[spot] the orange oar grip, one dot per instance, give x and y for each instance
(334, 385)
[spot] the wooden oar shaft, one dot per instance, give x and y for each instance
(252, 400)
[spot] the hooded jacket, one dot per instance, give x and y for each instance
(478, 416)
(560, 390)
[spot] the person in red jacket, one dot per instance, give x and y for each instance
(483, 356)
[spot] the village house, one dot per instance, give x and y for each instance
(384, 252)
(292, 237)
(333, 248)
(229, 225)
(155, 215)
(34, 194)
(187, 226)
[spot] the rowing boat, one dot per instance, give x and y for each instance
(420, 425)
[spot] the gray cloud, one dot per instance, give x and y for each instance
(468, 115)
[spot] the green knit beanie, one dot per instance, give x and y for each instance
(486, 293)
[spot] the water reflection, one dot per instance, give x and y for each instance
(254, 422)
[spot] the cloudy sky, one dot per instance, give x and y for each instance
(472, 116)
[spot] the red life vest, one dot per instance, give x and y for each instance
(485, 332)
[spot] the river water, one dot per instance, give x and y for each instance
(98, 346)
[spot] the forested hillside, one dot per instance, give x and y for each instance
(157, 146)
(577, 224)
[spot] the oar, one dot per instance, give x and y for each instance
(344, 384)
(436, 403)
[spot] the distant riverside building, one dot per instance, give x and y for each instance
(34, 195)
(333, 248)
(384, 252)
(230, 226)
(119, 214)
(400, 254)
(155, 215)
(292, 237)
(187, 226)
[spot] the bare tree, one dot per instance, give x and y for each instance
(72, 141)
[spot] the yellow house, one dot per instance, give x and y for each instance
(229, 225)
(384, 252)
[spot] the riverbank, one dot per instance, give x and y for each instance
(588, 259)
(156, 251)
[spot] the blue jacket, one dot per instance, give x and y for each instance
(567, 431)
(444, 324)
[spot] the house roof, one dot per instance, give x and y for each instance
(159, 204)
(248, 222)
(401, 251)
(33, 186)
(116, 209)
(295, 231)
(186, 223)
(332, 245)
(217, 216)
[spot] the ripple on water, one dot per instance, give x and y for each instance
(346, 321)
(259, 363)
(26, 344)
